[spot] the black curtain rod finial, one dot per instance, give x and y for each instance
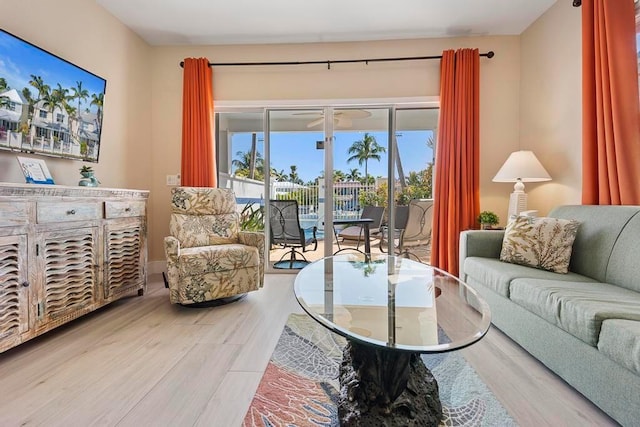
(577, 3)
(490, 54)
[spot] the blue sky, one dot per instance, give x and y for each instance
(18, 60)
(299, 148)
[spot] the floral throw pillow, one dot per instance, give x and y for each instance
(543, 243)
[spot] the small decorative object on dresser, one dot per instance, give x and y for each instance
(88, 179)
(64, 252)
(35, 171)
(488, 220)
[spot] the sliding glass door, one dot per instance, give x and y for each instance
(374, 154)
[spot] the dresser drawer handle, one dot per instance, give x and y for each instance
(127, 209)
(25, 284)
(71, 212)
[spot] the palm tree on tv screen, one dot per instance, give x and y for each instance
(39, 85)
(98, 101)
(79, 94)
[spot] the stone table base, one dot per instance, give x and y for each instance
(381, 387)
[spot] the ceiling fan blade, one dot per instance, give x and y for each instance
(343, 121)
(315, 122)
(354, 114)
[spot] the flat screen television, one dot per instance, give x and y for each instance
(48, 105)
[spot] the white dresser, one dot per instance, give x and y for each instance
(66, 251)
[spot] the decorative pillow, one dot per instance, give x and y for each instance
(543, 243)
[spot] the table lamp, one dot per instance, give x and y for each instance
(520, 167)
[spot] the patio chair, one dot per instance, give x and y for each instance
(416, 231)
(356, 232)
(209, 259)
(287, 233)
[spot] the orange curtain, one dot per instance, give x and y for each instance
(198, 166)
(610, 109)
(457, 188)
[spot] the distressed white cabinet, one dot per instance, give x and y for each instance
(64, 252)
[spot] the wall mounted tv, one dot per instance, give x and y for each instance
(48, 105)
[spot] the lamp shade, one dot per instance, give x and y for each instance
(522, 166)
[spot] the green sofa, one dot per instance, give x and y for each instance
(584, 325)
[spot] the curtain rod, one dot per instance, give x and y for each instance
(489, 54)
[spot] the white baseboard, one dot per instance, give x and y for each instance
(156, 267)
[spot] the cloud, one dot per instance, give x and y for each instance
(13, 75)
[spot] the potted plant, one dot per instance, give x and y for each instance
(86, 171)
(488, 219)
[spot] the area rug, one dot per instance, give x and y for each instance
(300, 385)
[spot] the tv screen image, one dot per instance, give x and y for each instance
(48, 105)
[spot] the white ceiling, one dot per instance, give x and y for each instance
(209, 22)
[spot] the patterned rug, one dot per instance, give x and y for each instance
(300, 385)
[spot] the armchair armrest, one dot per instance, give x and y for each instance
(255, 239)
(480, 243)
(384, 236)
(172, 252)
(171, 248)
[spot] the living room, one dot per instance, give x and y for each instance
(530, 98)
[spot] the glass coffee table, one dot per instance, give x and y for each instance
(390, 310)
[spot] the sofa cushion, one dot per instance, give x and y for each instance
(620, 341)
(539, 242)
(578, 308)
(211, 259)
(600, 227)
(497, 275)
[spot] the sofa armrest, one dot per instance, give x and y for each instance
(479, 243)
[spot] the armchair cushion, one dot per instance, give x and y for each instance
(200, 215)
(209, 259)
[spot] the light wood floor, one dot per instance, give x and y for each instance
(143, 362)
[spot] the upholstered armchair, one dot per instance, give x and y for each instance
(208, 257)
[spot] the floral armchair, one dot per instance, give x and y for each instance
(208, 257)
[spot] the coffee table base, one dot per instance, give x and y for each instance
(380, 387)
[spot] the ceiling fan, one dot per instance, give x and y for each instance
(341, 118)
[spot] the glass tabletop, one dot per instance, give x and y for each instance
(392, 302)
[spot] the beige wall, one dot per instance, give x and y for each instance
(83, 33)
(499, 95)
(551, 104)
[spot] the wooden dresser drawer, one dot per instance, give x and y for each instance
(124, 209)
(68, 211)
(14, 213)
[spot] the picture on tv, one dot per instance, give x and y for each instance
(48, 105)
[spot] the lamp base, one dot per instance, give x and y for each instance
(517, 203)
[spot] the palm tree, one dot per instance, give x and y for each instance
(293, 175)
(338, 176)
(38, 84)
(242, 164)
(4, 100)
(71, 112)
(98, 101)
(51, 101)
(279, 176)
(3, 85)
(26, 94)
(79, 94)
(353, 174)
(365, 149)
